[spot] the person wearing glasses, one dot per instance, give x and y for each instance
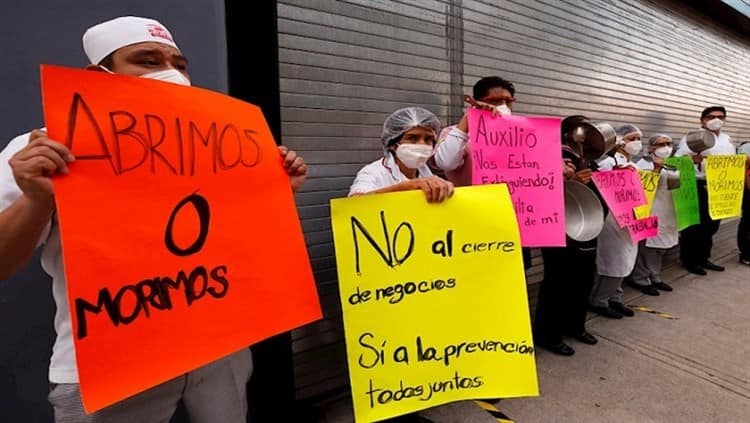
(646, 276)
(696, 241)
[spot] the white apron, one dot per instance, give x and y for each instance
(664, 208)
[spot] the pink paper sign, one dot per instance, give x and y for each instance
(524, 153)
(644, 228)
(622, 191)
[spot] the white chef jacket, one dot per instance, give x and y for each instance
(382, 173)
(62, 367)
(615, 252)
(663, 207)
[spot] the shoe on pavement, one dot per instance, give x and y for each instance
(621, 308)
(745, 260)
(560, 348)
(712, 266)
(646, 289)
(695, 269)
(586, 338)
(662, 286)
(606, 312)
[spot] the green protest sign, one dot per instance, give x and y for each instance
(686, 196)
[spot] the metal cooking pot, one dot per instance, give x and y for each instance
(590, 140)
(700, 140)
(584, 215)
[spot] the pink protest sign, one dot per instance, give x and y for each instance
(644, 228)
(622, 191)
(524, 153)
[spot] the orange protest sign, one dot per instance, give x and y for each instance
(181, 241)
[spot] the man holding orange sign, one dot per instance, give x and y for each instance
(29, 218)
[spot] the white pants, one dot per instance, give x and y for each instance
(213, 393)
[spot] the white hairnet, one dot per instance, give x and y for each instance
(652, 140)
(404, 119)
(628, 129)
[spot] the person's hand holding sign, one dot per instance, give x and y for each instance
(34, 166)
(294, 166)
(435, 189)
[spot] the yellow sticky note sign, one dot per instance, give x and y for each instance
(434, 300)
(725, 181)
(650, 181)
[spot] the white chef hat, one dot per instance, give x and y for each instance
(101, 40)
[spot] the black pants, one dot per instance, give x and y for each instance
(564, 292)
(743, 230)
(697, 240)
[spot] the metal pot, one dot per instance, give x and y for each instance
(584, 215)
(700, 140)
(590, 140)
(744, 149)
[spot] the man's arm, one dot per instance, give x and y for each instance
(449, 154)
(26, 181)
(21, 226)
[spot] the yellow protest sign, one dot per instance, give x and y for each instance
(725, 180)
(650, 182)
(434, 300)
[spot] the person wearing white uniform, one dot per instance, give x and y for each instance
(696, 241)
(408, 139)
(215, 392)
(616, 253)
(453, 153)
(647, 273)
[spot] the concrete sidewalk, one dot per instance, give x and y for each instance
(647, 368)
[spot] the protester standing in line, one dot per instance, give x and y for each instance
(215, 392)
(616, 252)
(569, 271)
(696, 241)
(408, 138)
(646, 276)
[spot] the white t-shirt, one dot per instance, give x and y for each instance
(62, 368)
(722, 147)
(381, 173)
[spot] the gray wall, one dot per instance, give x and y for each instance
(50, 31)
(346, 64)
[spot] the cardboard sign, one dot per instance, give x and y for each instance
(650, 182)
(180, 236)
(524, 153)
(428, 318)
(685, 198)
(622, 191)
(725, 181)
(644, 228)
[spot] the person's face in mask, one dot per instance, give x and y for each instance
(149, 60)
(633, 144)
(415, 147)
(500, 98)
(661, 148)
(714, 121)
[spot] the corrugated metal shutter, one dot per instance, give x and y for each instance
(345, 65)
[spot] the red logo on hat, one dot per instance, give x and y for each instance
(159, 31)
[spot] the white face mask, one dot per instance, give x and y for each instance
(633, 147)
(663, 152)
(414, 156)
(714, 124)
(503, 109)
(168, 75)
